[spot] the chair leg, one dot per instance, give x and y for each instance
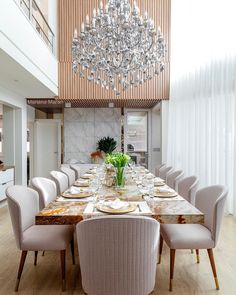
(212, 261)
(43, 253)
(160, 249)
(172, 265)
(72, 247)
(21, 266)
(63, 269)
(197, 254)
(35, 257)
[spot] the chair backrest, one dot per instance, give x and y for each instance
(173, 178)
(211, 201)
(70, 174)
(23, 204)
(157, 169)
(118, 254)
(76, 168)
(61, 180)
(164, 171)
(187, 188)
(46, 189)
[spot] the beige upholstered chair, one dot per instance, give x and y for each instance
(164, 171)
(210, 201)
(61, 180)
(70, 173)
(187, 188)
(46, 189)
(118, 254)
(76, 168)
(157, 169)
(23, 205)
(173, 178)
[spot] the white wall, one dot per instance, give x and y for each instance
(53, 21)
(19, 138)
(156, 137)
(20, 40)
(84, 127)
(164, 129)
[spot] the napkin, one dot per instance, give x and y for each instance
(73, 190)
(166, 190)
(149, 176)
(117, 204)
(158, 179)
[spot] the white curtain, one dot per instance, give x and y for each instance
(202, 107)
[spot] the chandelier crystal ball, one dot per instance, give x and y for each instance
(118, 48)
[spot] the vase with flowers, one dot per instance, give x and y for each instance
(119, 161)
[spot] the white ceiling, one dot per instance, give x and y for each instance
(16, 78)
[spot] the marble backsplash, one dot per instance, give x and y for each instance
(83, 127)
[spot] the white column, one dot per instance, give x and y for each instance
(164, 129)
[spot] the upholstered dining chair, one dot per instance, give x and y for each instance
(157, 169)
(23, 205)
(173, 178)
(118, 254)
(46, 189)
(70, 174)
(211, 201)
(77, 170)
(61, 180)
(187, 188)
(164, 171)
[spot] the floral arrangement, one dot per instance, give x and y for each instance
(117, 159)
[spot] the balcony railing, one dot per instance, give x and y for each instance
(36, 17)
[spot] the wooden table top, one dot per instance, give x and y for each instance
(171, 210)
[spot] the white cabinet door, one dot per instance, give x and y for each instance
(3, 188)
(47, 147)
(6, 175)
(6, 180)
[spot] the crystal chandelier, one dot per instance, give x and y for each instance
(118, 49)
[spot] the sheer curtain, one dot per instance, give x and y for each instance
(202, 107)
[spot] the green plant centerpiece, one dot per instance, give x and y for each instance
(119, 161)
(107, 145)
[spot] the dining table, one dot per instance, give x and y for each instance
(94, 194)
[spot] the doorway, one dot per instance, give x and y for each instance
(136, 136)
(46, 147)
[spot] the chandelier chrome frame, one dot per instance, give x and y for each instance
(118, 48)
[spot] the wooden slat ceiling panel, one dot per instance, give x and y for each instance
(71, 14)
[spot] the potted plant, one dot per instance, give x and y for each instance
(119, 161)
(107, 145)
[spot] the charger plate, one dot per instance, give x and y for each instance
(106, 209)
(91, 172)
(78, 195)
(165, 194)
(81, 184)
(87, 176)
(159, 183)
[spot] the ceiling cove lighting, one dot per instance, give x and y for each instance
(118, 48)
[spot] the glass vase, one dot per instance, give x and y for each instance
(120, 177)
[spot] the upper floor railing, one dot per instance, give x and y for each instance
(36, 17)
